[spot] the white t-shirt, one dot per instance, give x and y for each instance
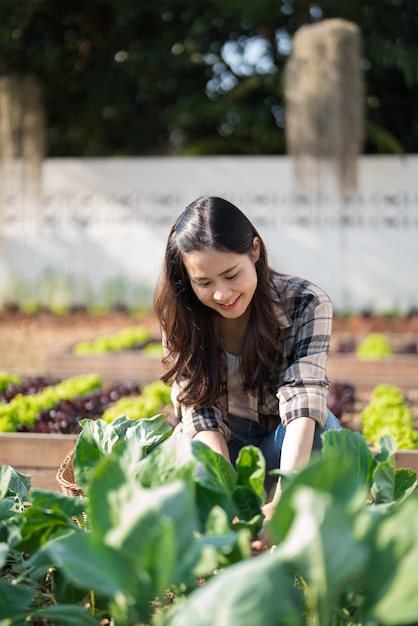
(238, 400)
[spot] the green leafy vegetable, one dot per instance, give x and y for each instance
(388, 413)
(97, 440)
(374, 346)
(25, 409)
(153, 398)
(6, 379)
(121, 340)
(161, 515)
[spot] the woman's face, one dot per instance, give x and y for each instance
(223, 281)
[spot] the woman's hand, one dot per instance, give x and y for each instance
(296, 449)
(268, 510)
(262, 543)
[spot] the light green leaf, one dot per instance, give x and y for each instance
(172, 460)
(5, 478)
(322, 548)
(20, 484)
(337, 475)
(4, 551)
(94, 442)
(390, 592)
(218, 475)
(256, 592)
(10, 507)
(251, 468)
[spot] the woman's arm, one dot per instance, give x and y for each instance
(296, 451)
(215, 440)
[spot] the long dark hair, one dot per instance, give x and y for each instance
(189, 327)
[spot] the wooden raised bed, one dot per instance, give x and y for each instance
(407, 459)
(396, 370)
(36, 454)
(41, 455)
(129, 364)
(399, 370)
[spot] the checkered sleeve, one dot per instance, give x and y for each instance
(305, 385)
(194, 419)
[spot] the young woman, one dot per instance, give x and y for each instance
(246, 347)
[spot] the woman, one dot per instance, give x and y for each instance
(246, 347)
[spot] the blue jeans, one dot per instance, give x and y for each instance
(247, 432)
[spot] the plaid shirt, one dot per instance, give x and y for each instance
(297, 384)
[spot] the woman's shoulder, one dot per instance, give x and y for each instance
(289, 289)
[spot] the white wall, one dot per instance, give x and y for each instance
(104, 219)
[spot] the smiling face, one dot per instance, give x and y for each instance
(223, 281)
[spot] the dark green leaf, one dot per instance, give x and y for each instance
(405, 483)
(67, 615)
(347, 444)
(49, 515)
(247, 503)
(383, 487)
(14, 601)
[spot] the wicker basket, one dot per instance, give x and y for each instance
(65, 477)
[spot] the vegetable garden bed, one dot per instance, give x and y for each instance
(373, 358)
(111, 367)
(130, 353)
(40, 417)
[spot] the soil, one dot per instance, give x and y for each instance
(25, 340)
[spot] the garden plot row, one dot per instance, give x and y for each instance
(40, 455)
(399, 369)
(399, 342)
(349, 401)
(361, 394)
(40, 417)
(131, 353)
(129, 364)
(114, 358)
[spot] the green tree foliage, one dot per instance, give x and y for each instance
(148, 77)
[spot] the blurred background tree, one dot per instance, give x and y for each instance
(161, 77)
